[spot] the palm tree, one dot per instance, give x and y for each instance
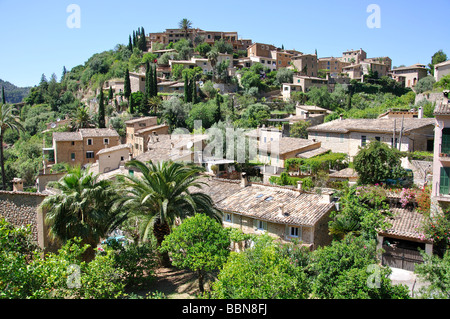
(162, 196)
(8, 120)
(185, 24)
(81, 118)
(81, 208)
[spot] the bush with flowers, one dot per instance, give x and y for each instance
(436, 228)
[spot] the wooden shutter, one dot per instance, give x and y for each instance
(444, 182)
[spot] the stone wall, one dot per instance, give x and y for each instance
(22, 209)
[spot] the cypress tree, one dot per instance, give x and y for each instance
(218, 114)
(130, 44)
(110, 94)
(155, 81)
(194, 92)
(134, 38)
(127, 85)
(3, 95)
(101, 110)
(187, 93)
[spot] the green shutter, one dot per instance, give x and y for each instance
(444, 183)
(445, 147)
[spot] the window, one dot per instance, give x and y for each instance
(122, 158)
(328, 136)
(260, 225)
(73, 143)
(269, 198)
(341, 138)
(106, 141)
(72, 156)
(89, 154)
(89, 141)
(263, 61)
(363, 140)
(378, 138)
(294, 231)
(227, 218)
(259, 196)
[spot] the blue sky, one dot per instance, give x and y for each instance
(35, 38)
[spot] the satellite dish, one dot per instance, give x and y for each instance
(58, 119)
(53, 125)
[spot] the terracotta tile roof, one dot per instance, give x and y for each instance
(67, 136)
(405, 223)
(285, 145)
(312, 153)
(442, 109)
(139, 119)
(98, 132)
(265, 202)
(345, 173)
(218, 189)
(150, 129)
(114, 148)
(385, 125)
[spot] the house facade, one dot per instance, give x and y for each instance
(306, 64)
(110, 158)
(409, 75)
(284, 213)
(348, 135)
(441, 158)
(441, 70)
(140, 131)
(81, 147)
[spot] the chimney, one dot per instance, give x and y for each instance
(281, 211)
(299, 185)
(244, 180)
(17, 184)
(340, 117)
(420, 113)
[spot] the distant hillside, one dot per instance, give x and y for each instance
(13, 94)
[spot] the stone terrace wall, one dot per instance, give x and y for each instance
(22, 209)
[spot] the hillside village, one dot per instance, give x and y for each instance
(288, 142)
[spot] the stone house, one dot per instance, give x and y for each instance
(409, 75)
(306, 64)
(354, 56)
(348, 135)
(283, 213)
(331, 64)
(81, 147)
(441, 69)
(140, 130)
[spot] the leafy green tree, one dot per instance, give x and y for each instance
(349, 269)
(265, 271)
(8, 121)
(364, 211)
(437, 58)
(425, 84)
(299, 129)
(203, 49)
(82, 208)
(175, 112)
(199, 244)
(161, 196)
(434, 270)
(377, 162)
(284, 75)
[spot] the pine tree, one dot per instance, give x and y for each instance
(101, 110)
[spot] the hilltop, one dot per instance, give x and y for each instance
(13, 93)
